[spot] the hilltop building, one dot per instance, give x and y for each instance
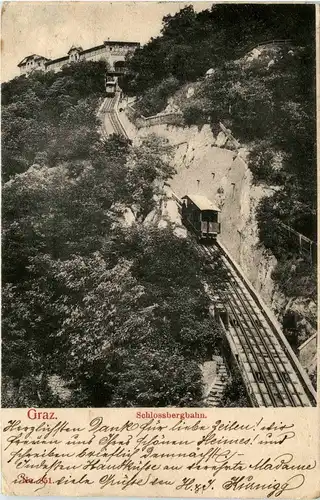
(111, 51)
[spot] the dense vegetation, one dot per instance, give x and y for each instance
(234, 394)
(268, 103)
(116, 313)
(190, 43)
(50, 117)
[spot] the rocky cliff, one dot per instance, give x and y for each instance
(223, 176)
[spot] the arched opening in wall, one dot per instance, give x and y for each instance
(119, 66)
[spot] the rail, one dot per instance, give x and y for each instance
(257, 350)
(273, 324)
(110, 108)
(308, 341)
(249, 48)
(310, 246)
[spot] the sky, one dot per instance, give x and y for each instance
(51, 28)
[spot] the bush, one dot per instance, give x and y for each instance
(234, 394)
(155, 99)
(270, 235)
(263, 161)
(296, 278)
(193, 115)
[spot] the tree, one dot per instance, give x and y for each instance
(155, 99)
(149, 167)
(51, 113)
(190, 42)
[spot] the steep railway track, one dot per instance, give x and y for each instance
(273, 378)
(109, 109)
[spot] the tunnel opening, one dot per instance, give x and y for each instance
(119, 66)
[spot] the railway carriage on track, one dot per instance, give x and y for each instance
(201, 216)
(111, 87)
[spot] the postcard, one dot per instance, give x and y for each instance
(159, 249)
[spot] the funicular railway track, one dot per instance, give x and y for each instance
(273, 378)
(109, 109)
(271, 372)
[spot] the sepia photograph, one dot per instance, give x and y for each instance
(159, 205)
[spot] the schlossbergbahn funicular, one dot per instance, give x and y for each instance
(201, 216)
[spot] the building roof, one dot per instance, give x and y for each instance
(112, 42)
(32, 56)
(53, 61)
(202, 202)
(97, 47)
(78, 49)
(49, 62)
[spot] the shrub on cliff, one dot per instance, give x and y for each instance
(192, 42)
(155, 99)
(265, 164)
(296, 278)
(193, 115)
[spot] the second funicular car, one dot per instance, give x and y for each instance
(111, 87)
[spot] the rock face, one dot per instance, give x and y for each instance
(222, 176)
(166, 213)
(308, 355)
(214, 166)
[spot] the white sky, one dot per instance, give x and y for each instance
(50, 28)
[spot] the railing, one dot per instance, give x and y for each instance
(306, 245)
(308, 341)
(170, 119)
(249, 48)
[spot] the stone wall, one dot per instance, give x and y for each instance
(159, 119)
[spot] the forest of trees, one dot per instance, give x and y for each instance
(50, 117)
(117, 313)
(192, 42)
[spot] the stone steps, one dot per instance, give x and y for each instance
(215, 395)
